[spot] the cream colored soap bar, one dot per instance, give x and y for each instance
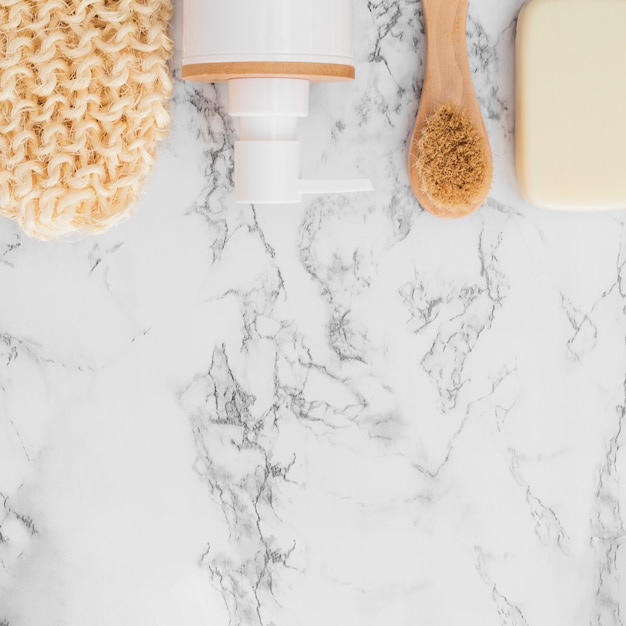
(571, 103)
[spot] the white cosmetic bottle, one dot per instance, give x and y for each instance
(269, 51)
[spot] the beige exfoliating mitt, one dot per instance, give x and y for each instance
(84, 90)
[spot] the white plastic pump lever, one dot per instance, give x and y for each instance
(335, 186)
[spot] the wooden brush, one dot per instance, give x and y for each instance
(450, 161)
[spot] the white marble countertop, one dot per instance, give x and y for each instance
(347, 413)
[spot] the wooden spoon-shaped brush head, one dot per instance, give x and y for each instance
(450, 161)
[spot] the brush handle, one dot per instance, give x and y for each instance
(447, 67)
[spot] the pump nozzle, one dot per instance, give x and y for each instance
(267, 157)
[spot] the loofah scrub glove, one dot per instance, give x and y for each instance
(84, 90)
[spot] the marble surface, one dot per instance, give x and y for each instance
(346, 413)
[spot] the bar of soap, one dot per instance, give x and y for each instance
(571, 104)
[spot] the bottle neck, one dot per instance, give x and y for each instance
(268, 97)
(266, 128)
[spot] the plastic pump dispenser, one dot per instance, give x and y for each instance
(269, 51)
(267, 156)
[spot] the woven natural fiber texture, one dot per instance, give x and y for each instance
(84, 90)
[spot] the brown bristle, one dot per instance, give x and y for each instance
(451, 160)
